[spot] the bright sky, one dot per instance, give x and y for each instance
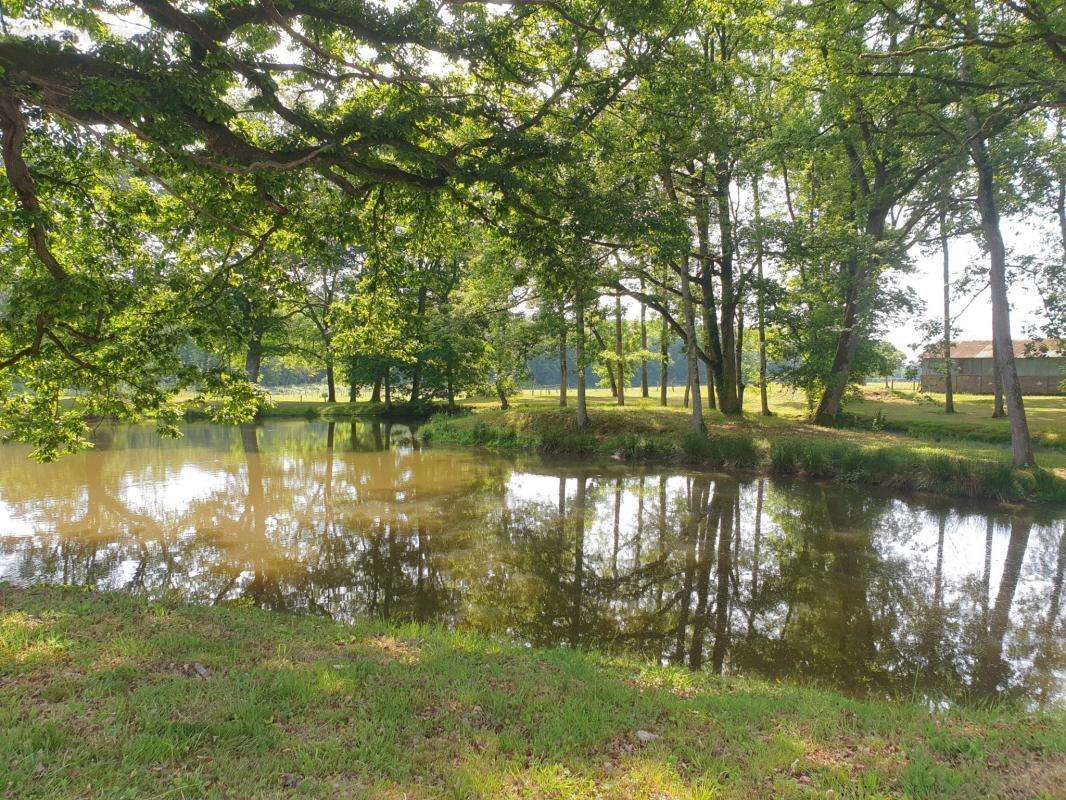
(1023, 237)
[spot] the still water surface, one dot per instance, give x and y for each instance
(864, 592)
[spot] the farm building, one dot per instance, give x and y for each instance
(1041, 367)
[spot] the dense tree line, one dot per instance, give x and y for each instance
(416, 197)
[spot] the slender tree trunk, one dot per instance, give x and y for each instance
(764, 403)
(619, 353)
(949, 395)
(388, 387)
(707, 304)
(579, 357)
(643, 346)
(727, 391)
(664, 360)
(564, 371)
(607, 366)
(740, 358)
(416, 372)
(1021, 444)
(504, 405)
(998, 410)
(375, 395)
(690, 350)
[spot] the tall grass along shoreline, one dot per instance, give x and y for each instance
(640, 436)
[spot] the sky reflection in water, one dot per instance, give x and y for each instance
(866, 592)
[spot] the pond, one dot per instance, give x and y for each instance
(861, 591)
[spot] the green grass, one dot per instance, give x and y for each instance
(776, 445)
(921, 414)
(280, 408)
(101, 699)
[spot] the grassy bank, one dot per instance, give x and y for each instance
(320, 409)
(920, 414)
(782, 448)
(107, 696)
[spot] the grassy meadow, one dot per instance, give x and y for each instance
(111, 696)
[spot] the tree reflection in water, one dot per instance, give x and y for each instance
(865, 592)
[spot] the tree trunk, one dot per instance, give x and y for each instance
(949, 395)
(579, 357)
(253, 360)
(690, 350)
(643, 346)
(353, 392)
(388, 387)
(619, 353)
(728, 400)
(375, 396)
(1002, 345)
(664, 360)
(740, 359)
(707, 305)
(564, 368)
(998, 411)
(504, 405)
(844, 356)
(416, 372)
(764, 404)
(331, 384)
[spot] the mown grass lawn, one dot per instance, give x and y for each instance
(925, 428)
(108, 696)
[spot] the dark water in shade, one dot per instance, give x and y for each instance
(861, 591)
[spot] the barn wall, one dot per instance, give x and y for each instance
(1038, 376)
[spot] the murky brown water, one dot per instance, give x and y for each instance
(861, 591)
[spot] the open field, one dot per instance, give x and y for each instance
(108, 696)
